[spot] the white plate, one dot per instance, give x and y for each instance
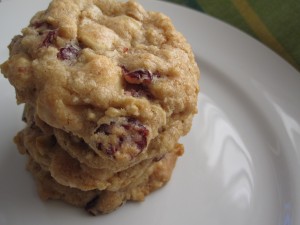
(242, 158)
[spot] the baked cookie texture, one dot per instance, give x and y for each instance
(109, 89)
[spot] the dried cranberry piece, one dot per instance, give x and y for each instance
(68, 53)
(91, 205)
(139, 77)
(104, 128)
(107, 130)
(136, 83)
(138, 132)
(125, 50)
(141, 141)
(126, 131)
(38, 24)
(49, 39)
(111, 150)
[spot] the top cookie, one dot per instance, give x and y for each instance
(108, 72)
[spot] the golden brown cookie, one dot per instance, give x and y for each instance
(77, 148)
(96, 201)
(102, 69)
(44, 150)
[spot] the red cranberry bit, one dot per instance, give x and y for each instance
(141, 76)
(141, 140)
(137, 81)
(105, 128)
(129, 130)
(68, 53)
(111, 150)
(125, 50)
(38, 24)
(138, 132)
(49, 39)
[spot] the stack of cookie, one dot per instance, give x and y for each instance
(109, 89)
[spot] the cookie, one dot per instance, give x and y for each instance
(102, 69)
(77, 148)
(44, 150)
(96, 201)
